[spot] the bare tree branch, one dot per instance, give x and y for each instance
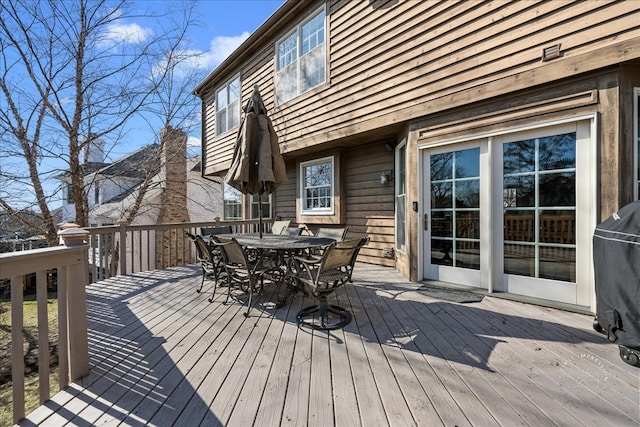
(67, 78)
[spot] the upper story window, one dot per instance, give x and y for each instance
(96, 194)
(317, 186)
(228, 106)
(301, 59)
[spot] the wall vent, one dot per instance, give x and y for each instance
(551, 52)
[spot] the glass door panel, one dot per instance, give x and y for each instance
(539, 197)
(454, 182)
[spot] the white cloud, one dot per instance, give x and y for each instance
(194, 142)
(131, 33)
(221, 47)
(189, 60)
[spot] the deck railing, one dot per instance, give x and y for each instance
(124, 249)
(73, 357)
(109, 251)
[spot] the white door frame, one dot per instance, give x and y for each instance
(586, 207)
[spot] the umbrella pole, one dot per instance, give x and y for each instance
(260, 216)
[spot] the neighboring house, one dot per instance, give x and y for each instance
(113, 187)
(476, 143)
(176, 193)
(203, 202)
(17, 236)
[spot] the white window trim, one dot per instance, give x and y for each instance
(253, 202)
(215, 95)
(491, 274)
(399, 147)
(224, 204)
(297, 30)
(636, 142)
(318, 211)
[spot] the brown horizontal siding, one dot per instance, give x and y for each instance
(386, 60)
(389, 81)
(370, 208)
(209, 131)
(376, 61)
(285, 196)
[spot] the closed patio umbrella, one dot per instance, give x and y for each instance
(257, 167)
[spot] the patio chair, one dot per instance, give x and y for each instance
(321, 277)
(278, 226)
(238, 269)
(337, 234)
(212, 231)
(209, 260)
(291, 231)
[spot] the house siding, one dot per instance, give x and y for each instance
(370, 206)
(390, 64)
(436, 71)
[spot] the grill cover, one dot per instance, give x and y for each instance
(616, 258)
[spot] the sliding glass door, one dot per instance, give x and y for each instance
(513, 212)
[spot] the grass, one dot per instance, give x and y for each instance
(30, 333)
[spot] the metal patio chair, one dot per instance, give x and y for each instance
(291, 231)
(239, 269)
(279, 226)
(209, 260)
(321, 277)
(212, 231)
(337, 234)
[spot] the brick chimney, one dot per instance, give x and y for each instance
(173, 208)
(174, 172)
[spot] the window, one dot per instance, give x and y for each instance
(317, 188)
(70, 194)
(96, 194)
(228, 106)
(266, 205)
(232, 202)
(455, 208)
(401, 198)
(301, 59)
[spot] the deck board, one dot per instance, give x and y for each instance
(162, 354)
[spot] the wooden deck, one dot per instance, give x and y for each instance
(161, 354)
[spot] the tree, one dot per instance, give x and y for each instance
(70, 70)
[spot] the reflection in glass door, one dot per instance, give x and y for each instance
(532, 192)
(455, 209)
(539, 196)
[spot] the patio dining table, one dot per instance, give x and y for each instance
(278, 242)
(272, 252)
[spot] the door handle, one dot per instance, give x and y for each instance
(426, 222)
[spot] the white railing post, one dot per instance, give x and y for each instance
(77, 325)
(17, 347)
(122, 252)
(77, 275)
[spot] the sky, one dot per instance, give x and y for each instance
(225, 22)
(222, 26)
